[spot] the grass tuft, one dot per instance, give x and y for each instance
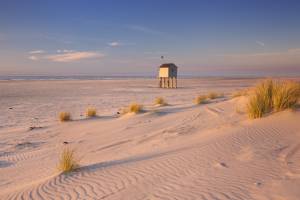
(135, 108)
(270, 96)
(67, 160)
(64, 116)
(201, 99)
(160, 101)
(91, 112)
(239, 93)
(285, 95)
(212, 95)
(260, 102)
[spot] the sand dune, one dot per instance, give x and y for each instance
(179, 151)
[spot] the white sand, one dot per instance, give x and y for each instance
(180, 151)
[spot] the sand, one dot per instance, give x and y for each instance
(178, 151)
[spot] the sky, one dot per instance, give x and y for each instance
(118, 37)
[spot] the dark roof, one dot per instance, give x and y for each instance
(167, 65)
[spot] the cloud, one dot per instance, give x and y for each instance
(74, 56)
(260, 43)
(33, 58)
(145, 30)
(36, 52)
(114, 44)
(64, 51)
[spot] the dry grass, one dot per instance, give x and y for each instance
(240, 93)
(212, 95)
(91, 112)
(285, 95)
(67, 161)
(260, 101)
(160, 101)
(64, 116)
(270, 96)
(133, 108)
(201, 99)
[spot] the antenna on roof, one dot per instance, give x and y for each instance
(162, 57)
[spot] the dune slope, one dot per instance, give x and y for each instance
(173, 152)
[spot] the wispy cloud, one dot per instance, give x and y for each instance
(145, 30)
(65, 55)
(74, 56)
(260, 43)
(114, 44)
(64, 51)
(37, 52)
(33, 58)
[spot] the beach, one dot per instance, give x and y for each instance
(176, 151)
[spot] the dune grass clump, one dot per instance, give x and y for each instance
(133, 108)
(239, 93)
(91, 112)
(67, 161)
(201, 99)
(270, 96)
(285, 95)
(160, 101)
(64, 116)
(260, 102)
(212, 95)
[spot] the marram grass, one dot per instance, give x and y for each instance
(64, 116)
(201, 99)
(160, 101)
(91, 112)
(285, 95)
(212, 95)
(67, 161)
(135, 108)
(260, 100)
(271, 95)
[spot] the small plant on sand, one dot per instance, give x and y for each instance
(67, 161)
(260, 101)
(285, 95)
(212, 95)
(160, 101)
(135, 108)
(201, 99)
(239, 93)
(64, 116)
(271, 96)
(91, 112)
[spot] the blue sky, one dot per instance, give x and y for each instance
(117, 37)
